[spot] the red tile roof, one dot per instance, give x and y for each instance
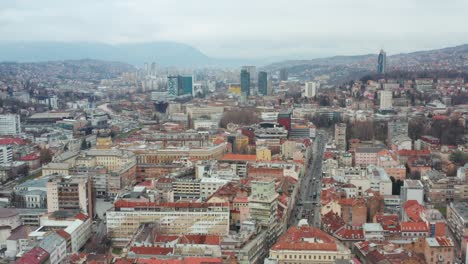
(186, 260)
(29, 157)
(36, 255)
(413, 210)
(407, 152)
(81, 216)
(352, 234)
(151, 250)
(63, 233)
(200, 239)
(143, 204)
(239, 157)
(296, 239)
(11, 141)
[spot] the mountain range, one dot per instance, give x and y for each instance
(182, 55)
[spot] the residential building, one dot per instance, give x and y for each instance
(6, 155)
(340, 136)
(306, 244)
(310, 89)
(386, 99)
(457, 221)
(10, 125)
(438, 250)
(412, 190)
(171, 218)
(70, 194)
(9, 220)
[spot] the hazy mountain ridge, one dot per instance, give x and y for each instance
(163, 53)
(86, 69)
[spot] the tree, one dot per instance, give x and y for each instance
(84, 144)
(459, 158)
(239, 117)
(45, 156)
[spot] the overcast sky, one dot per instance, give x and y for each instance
(245, 28)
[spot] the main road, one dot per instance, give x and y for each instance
(308, 200)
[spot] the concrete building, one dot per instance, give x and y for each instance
(373, 232)
(6, 155)
(438, 250)
(310, 89)
(306, 244)
(379, 180)
(56, 246)
(386, 98)
(263, 154)
(340, 136)
(412, 190)
(9, 220)
(171, 218)
(457, 221)
(263, 202)
(365, 156)
(76, 226)
(70, 194)
(10, 125)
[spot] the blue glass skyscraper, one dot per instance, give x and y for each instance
(382, 62)
(262, 83)
(245, 82)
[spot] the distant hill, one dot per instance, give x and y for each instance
(343, 68)
(163, 53)
(86, 69)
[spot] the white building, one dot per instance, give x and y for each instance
(6, 155)
(172, 218)
(373, 231)
(78, 227)
(310, 89)
(9, 220)
(379, 180)
(56, 246)
(412, 190)
(10, 125)
(386, 100)
(208, 186)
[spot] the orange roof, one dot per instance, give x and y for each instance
(151, 250)
(140, 204)
(239, 157)
(296, 239)
(413, 210)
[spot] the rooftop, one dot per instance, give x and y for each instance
(306, 238)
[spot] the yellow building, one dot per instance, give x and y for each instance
(103, 142)
(234, 89)
(263, 154)
(241, 143)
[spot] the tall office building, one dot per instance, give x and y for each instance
(283, 75)
(185, 85)
(10, 125)
(6, 155)
(382, 62)
(172, 85)
(340, 136)
(253, 73)
(245, 82)
(179, 85)
(70, 194)
(262, 83)
(386, 100)
(310, 89)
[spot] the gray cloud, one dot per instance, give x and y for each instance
(241, 28)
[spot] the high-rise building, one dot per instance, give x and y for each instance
(382, 62)
(263, 202)
(245, 82)
(6, 155)
(185, 85)
(10, 125)
(70, 194)
(178, 85)
(386, 100)
(340, 136)
(172, 85)
(283, 75)
(262, 83)
(252, 71)
(310, 89)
